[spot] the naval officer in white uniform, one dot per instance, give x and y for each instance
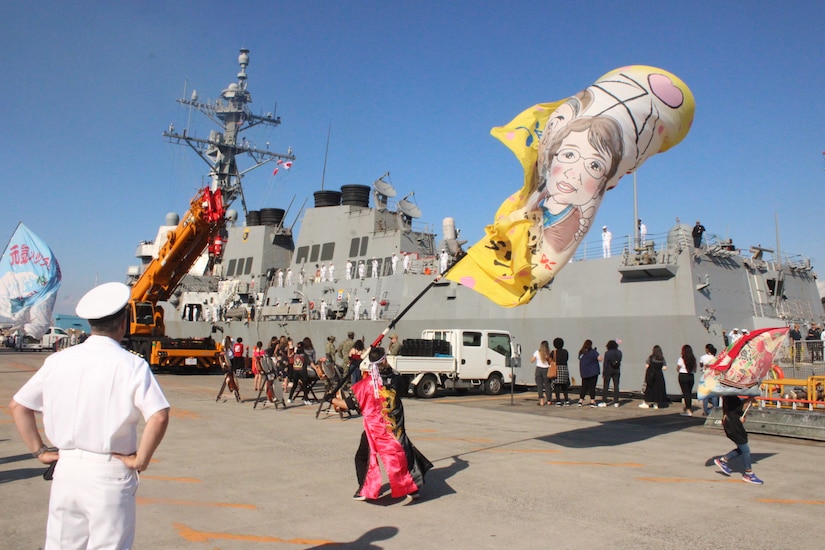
(92, 397)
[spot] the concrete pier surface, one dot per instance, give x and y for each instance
(507, 474)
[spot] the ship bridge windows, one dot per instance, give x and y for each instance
(248, 268)
(301, 255)
(230, 268)
(358, 246)
(327, 251)
(317, 252)
(239, 270)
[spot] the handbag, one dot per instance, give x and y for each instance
(553, 370)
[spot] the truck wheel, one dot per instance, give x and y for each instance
(426, 388)
(493, 385)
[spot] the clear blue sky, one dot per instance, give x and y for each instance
(409, 87)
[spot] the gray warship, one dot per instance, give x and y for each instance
(266, 280)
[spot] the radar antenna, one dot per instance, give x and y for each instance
(383, 190)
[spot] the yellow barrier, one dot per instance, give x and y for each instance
(811, 384)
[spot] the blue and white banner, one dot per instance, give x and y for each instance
(29, 279)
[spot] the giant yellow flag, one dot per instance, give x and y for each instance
(572, 151)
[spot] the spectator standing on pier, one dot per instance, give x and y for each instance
(562, 381)
(329, 350)
(589, 370)
(541, 357)
(733, 418)
(612, 372)
(395, 346)
(655, 392)
(237, 353)
(356, 355)
(257, 353)
(711, 401)
(686, 366)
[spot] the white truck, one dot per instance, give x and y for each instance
(51, 341)
(458, 359)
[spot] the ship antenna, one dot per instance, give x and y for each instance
(326, 152)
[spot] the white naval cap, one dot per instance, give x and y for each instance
(103, 300)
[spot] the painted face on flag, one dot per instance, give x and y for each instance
(571, 151)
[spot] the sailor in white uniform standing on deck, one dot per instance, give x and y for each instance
(92, 396)
(607, 238)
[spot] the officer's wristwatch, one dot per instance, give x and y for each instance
(40, 451)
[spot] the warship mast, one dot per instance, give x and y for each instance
(220, 150)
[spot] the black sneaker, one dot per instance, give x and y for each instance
(358, 495)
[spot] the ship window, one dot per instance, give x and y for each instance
(301, 256)
(499, 343)
(313, 255)
(774, 288)
(230, 269)
(353, 247)
(387, 266)
(364, 242)
(248, 266)
(471, 339)
(240, 266)
(327, 251)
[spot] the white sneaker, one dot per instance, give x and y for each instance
(644, 406)
(602, 404)
(616, 404)
(655, 406)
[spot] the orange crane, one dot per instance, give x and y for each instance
(200, 228)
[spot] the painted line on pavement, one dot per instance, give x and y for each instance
(520, 450)
(191, 535)
(467, 439)
(145, 500)
(790, 501)
(616, 464)
(687, 480)
(169, 478)
(183, 413)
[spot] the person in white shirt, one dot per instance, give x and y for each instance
(92, 396)
(349, 270)
(331, 273)
(607, 237)
(711, 401)
(374, 267)
(362, 270)
(394, 261)
(642, 232)
(374, 310)
(356, 309)
(406, 263)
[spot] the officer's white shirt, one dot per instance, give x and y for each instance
(92, 395)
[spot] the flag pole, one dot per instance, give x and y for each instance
(330, 394)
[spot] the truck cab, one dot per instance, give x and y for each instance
(458, 359)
